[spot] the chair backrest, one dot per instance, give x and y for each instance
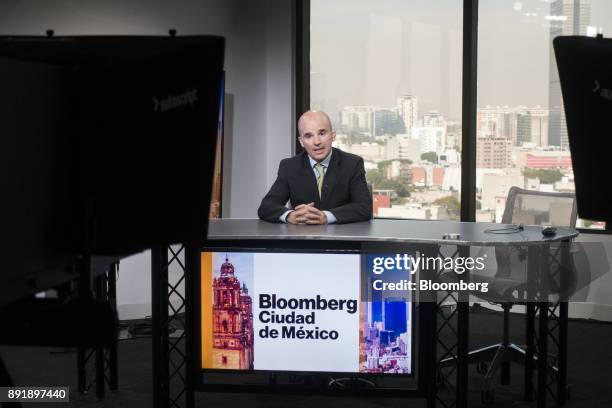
(539, 208)
(531, 207)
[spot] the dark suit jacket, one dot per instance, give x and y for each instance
(344, 193)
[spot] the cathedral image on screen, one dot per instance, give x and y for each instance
(232, 346)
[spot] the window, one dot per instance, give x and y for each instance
(521, 131)
(388, 73)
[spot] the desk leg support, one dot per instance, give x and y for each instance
(451, 337)
(85, 290)
(105, 290)
(428, 324)
(562, 388)
(192, 285)
(533, 268)
(171, 367)
(463, 331)
(529, 350)
(543, 331)
(99, 372)
(542, 354)
(462, 352)
(159, 317)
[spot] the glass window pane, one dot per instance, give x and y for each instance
(388, 73)
(521, 130)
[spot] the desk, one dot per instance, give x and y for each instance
(382, 230)
(449, 331)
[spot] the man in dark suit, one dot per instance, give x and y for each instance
(324, 185)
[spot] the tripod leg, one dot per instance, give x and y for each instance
(7, 381)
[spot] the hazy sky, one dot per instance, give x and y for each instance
(369, 51)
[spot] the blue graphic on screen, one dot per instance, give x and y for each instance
(377, 314)
(396, 319)
(387, 328)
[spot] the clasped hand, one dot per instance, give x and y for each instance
(307, 214)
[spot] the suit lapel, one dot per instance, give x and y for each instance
(332, 176)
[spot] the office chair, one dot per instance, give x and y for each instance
(522, 207)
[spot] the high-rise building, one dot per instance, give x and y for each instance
(568, 17)
(433, 139)
(407, 148)
(523, 128)
(408, 109)
(539, 126)
(376, 305)
(493, 153)
(511, 126)
(489, 122)
(433, 119)
(359, 118)
(453, 135)
(518, 124)
(387, 121)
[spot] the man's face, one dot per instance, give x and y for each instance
(316, 136)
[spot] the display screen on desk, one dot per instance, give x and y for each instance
(302, 312)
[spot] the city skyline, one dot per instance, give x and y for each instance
(398, 47)
(395, 97)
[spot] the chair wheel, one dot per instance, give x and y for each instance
(482, 367)
(487, 397)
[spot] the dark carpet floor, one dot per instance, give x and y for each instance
(589, 367)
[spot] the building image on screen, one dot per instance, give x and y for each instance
(386, 337)
(232, 316)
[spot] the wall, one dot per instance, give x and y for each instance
(259, 84)
(259, 73)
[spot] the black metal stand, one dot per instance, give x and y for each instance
(172, 383)
(448, 383)
(547, 340)
(547, 343)
(451, 342)
(7, 381)
(104, 359)
(546, 335)
(111, 296)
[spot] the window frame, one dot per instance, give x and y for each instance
(469, 97)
